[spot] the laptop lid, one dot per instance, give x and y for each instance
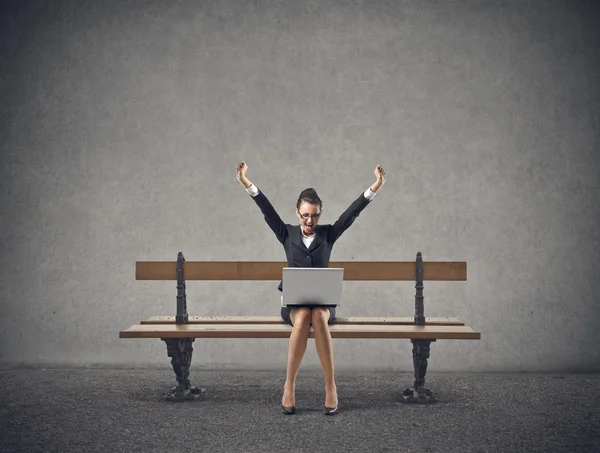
(312, 286)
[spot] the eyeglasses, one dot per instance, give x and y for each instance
(312, 216)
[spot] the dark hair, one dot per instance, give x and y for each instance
(309, 196)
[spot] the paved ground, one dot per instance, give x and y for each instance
(121, 410)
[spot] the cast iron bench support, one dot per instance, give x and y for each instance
(421, 348)
(180, 349)
(418, 393)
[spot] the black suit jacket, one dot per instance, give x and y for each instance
(317, 255)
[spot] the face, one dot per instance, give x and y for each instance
(307, 213)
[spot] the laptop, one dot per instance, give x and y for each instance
(312, 286)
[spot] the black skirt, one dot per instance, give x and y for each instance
(285, 312)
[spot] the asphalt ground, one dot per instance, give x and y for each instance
(123, 410)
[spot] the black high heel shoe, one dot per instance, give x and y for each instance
(288, 410)
(330, 410)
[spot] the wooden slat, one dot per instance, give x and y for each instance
(387, 320)
(284, 331)
(273, 270)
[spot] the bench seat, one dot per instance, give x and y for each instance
(281, 330)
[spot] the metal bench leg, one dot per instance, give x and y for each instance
(418, 393)
(180, 350)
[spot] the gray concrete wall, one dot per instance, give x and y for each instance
(122, 124)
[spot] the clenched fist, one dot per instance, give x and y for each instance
(242, 168)
(379, 174)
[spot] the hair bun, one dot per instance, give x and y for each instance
(309, 196)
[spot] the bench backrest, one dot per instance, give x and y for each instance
(272, 270)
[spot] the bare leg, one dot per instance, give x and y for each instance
(301, 318)
(324, 345)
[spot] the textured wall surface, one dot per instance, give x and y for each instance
(122, 124)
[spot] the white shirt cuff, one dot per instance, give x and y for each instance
(369, 194)
(252, 190)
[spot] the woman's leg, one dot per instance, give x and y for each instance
(301, 318)
(324, 345)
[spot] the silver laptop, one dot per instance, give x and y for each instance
(312, 286)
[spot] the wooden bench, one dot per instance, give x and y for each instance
(178, 332)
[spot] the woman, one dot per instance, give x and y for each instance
(309, 245)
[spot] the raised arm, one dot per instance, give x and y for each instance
(271, 216)
(349, 215)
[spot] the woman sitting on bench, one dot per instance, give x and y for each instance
(309, 245)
